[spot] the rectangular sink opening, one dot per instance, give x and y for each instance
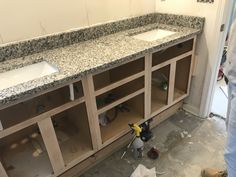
(26, 73)
(154, 35)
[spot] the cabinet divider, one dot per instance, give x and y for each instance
(148, 83)
(92, 112)
(171, 83)
(88, 87)
(50, 140)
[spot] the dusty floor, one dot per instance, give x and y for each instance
(187, 144)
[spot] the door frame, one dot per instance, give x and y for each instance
(225, 10)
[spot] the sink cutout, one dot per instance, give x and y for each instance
(27, 73)
(153, 35)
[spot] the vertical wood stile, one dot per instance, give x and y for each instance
(92, 117)
(148, 85)
(89, 92)
(194, 61)
(193, 64)
(171, 83)
(52, 146)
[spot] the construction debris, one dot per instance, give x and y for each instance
(142, 171)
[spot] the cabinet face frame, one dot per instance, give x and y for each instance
(172, 62)
(148, 86)
(49, 137)
(89, 98)
(121, 82)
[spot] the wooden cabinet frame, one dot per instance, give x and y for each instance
(89, 98)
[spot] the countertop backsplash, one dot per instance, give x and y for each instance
(36, 45)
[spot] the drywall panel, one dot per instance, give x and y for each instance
(25, 19)
(206, 44)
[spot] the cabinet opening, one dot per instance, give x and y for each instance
(73, 133)
(119, 92)
(114, 122)
(23, 154)
(78, 90)
(183, 67)
(106, 78)
(171, 52)
(34, 107)
(159, 90)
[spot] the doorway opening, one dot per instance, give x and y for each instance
(220, 96)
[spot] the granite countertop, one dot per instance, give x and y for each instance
(77, 60)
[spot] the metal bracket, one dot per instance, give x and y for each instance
(222, 27)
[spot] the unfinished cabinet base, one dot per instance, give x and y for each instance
(116, 145)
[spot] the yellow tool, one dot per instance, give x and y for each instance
(136, 142)
(136, 128)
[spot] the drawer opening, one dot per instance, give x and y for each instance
(34, 107)
(111, 76)
(171, 52)
(119, 92)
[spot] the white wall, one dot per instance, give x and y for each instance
(205, 54)
(25, 19)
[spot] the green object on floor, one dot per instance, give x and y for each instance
(164, 86)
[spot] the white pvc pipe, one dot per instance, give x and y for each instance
(1, 127)
(72, 94)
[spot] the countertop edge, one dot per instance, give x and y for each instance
(47, 87)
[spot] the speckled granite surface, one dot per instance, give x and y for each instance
(28, 47)
(77, 60)
(24, 48)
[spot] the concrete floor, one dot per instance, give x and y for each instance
(187, 144)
